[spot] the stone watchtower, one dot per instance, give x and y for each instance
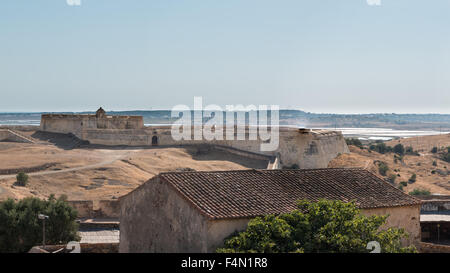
(100, 113)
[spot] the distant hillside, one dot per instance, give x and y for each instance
(288, 117)
(305, 119)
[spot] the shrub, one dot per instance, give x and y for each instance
(434, 150)
(399, 149)
(404, 184)
(20, 228)
(355, 142)
(22, 179)
(412, 179)
(446, 157)
(419, 192)
(398, 157)
(380, 148)
(392, 178)
(316, 227)
(383, 168)
(410, 151)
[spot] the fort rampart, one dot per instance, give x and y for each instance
(304, 148)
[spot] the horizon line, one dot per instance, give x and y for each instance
(281, 109)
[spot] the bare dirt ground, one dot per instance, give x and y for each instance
(436, 179)
(91, 173)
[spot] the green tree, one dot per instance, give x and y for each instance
(323, 226)
(22, 179)
(355, 142)
(20, 228)
(381, 148)
(399, 149)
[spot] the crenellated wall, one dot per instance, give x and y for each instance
(75, 124)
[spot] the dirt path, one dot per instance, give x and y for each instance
(90, 166)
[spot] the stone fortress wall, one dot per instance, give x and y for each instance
(10, 135)
(76, 124)
(306, 148)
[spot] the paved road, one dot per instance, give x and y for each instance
(110, 160)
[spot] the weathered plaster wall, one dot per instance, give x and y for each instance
(407, 217)
(154, 218)
(219, 230)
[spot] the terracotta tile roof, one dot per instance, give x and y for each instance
(249, 193)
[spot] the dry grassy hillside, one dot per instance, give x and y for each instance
(93, 173)
(432, 173)
(423, 144)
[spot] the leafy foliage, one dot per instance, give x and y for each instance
(354, 141)
(20, 228)
(420, 192)
(399, 149)
(381, 148)
(383, 168)
(22, 179)
(446, 155)
(410, 151)
(391, 179)
(324, 226)
(413, 178)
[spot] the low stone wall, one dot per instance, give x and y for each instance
(434, 248)
(85, 208)
(27, 169)
(108, 208)
(242, 153)
(9, 135)
(28, 128)
(84, 248)
(96, 209)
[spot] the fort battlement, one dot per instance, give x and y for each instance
(75, 124)
(305, 148)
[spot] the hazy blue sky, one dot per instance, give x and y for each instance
(318, 55)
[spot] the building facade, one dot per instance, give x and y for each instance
(196, 211)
